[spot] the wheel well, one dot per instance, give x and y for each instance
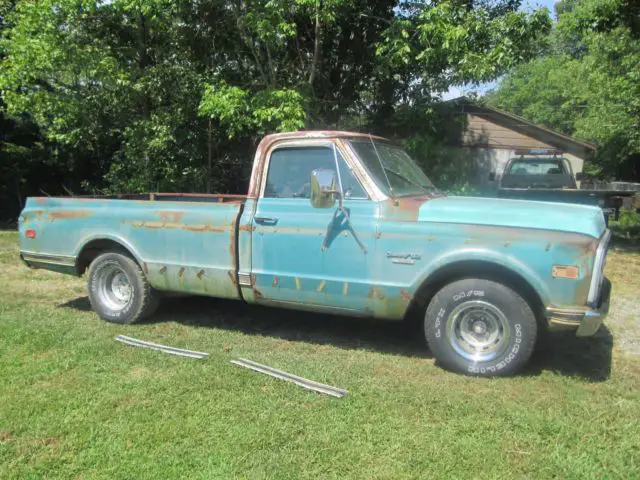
(94, 248)
(476, 269)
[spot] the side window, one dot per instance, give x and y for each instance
(350, 184)
(290, 170)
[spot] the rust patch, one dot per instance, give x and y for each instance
(232, 276)
(233, 241)
(163, 270)
(205, 228)
(404, 209)
(378, 234)
(172, 217)
(321, 286)
(200, 274)
(375, 293)
(257, 294)
(181, 272)
(275, 282)
(247, 228)
(200, 228)
(68, 214)
(406, 296)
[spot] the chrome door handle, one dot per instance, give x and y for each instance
(266, 220)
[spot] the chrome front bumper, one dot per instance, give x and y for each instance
(586, 320)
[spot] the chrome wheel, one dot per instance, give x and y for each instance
(114, 289)
(478, 331)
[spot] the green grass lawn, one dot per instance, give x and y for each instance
(76, 404)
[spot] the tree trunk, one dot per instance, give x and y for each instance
(316, 46)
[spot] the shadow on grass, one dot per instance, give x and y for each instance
(563, 353)
(397, 338)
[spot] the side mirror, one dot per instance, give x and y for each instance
(324, 187)
(580, 176)
(492, 176)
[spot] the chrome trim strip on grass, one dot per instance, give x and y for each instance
(302, 382)
(134, 342)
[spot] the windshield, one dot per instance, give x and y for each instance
(537, 167)
(398, 170)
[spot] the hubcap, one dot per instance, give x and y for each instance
(114, 288)
(478, 330)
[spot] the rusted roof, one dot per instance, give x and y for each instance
(317, 134)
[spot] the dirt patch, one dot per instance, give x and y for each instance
(5, 436)
(41, 442)
(138, 373)
(624, 323)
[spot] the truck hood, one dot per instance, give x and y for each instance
(562, 217)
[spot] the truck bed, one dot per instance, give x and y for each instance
(184, 242)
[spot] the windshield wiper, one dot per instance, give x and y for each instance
(402, 177)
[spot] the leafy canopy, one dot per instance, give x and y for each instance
(587, 84)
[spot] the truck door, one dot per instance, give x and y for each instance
(287, 259)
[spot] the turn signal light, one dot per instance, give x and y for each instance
(565, 271)
(30, 233)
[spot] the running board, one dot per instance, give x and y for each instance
(302, 382)
(162, 348)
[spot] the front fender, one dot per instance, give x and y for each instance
(479, 254)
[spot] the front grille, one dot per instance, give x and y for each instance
(598, 270)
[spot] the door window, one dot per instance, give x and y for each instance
(290, 171)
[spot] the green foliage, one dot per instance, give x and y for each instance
(449, 43)
(588, 83)
(626, 229)
(135, 95)
(266, 110)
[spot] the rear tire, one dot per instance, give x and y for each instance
(118, 289)
(480, 327)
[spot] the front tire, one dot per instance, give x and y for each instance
(118, 289)
(480, 327)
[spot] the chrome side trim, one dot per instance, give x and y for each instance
(244, 279)
(594, 318)
(586, 321)
(289, 377)
(134, 342)
(34, 257)
(598, 269)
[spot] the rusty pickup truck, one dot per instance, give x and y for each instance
(342, 223)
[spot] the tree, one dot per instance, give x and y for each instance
(587, 84)
(138, 95)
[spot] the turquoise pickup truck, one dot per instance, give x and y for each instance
(344, 223)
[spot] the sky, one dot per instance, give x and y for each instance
(455, 92)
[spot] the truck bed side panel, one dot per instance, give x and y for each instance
(181, 246)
